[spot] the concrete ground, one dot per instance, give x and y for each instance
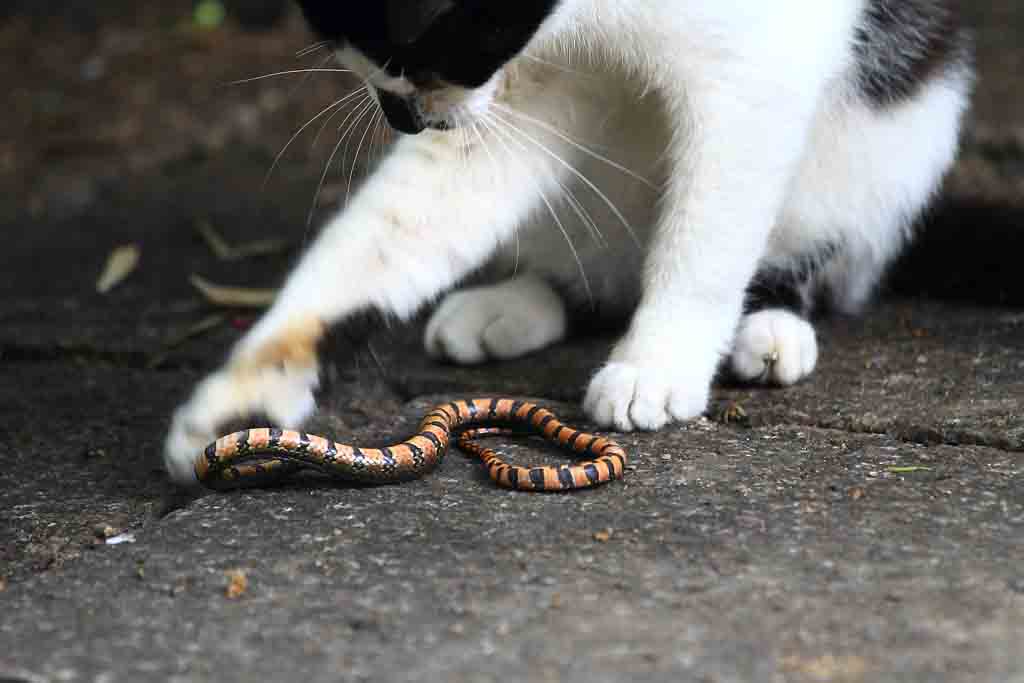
(866, 525)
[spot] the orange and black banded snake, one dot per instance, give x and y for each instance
(267, 454)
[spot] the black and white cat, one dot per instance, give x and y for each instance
(657, 155)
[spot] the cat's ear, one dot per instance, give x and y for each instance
(408, 20)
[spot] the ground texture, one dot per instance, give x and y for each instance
(867, 525)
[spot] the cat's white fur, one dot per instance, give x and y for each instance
(744, 117)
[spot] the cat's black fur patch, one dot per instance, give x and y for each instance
(777, 290)
(461, 42)
(789, 288)
(900, 45)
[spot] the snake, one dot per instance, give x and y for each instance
(267, 454)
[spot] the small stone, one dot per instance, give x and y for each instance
(857, 492)
(104, 531)
(603, 536)
(238, 582)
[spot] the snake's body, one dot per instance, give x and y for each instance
(266, 453)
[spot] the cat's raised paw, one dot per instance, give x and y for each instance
(508, 320)
(284, 394)
(629, 397)
(774, 346)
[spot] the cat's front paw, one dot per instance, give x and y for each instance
(504, 321)
(632, 396)
(284, 394)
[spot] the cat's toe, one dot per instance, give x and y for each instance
(630, 397)
(775, 347)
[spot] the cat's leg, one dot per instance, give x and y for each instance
(510, 319)
(436, 209)
(853, 192)
(728, 183)
(857, 201)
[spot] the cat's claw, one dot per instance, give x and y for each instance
(630, 397)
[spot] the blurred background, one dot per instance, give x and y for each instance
(122, 127)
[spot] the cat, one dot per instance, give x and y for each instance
(718, 167)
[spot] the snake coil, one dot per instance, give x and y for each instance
(263, 455)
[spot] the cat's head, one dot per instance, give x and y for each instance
(432, 63)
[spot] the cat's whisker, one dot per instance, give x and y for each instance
(495, 124)
(515, 259)
(356, 108)
(462, 124)
(357, 116)
(496, 167)
(487, 149)
(290, 72)
(377, 141)
(374, 118)
(578, 145)
(310, 49)
(305, 79)
(277, 159)
(585, 218)
(572, 169)
(363, 106)
(559, 67)
(350, 134)
(327, 121)
(581, 212)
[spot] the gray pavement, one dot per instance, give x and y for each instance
(792, 545)
(866, 525)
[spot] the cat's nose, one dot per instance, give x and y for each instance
(402, 113)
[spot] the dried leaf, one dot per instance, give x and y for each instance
(238, 582)
(227, 252)
(603, 536)
(120, 264)
(233, 297)
(908, 470)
